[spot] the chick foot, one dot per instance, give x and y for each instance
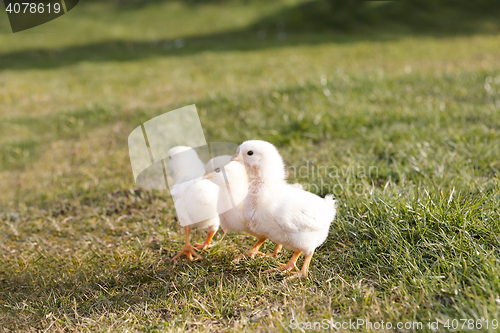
(276, 251)
(288, 267)
(253, 251)
(202, 246)
(304, 271)
(283, 268)
(206, 244)
(189, 251)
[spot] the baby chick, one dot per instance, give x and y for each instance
(283, 213)
(195, 199)
(232, 180)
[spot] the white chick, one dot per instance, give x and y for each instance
(232, 180)
(285, 214)
(195, 199)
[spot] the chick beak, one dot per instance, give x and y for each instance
(237, 157)
(207, 176)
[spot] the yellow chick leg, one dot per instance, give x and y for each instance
(253, 251)
(188, 250)
(276, 251)
(305, 268)
(206, 245)
(289, 266)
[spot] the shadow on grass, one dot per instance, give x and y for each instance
(310, 23)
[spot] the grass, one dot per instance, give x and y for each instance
(402, 125)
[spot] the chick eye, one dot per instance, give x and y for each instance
(170, 157)
(217, 170)
(250, 153)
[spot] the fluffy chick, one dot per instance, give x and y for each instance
(195, 199)
(232, 180)
(285, 214)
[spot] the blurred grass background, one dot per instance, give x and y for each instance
(410, 88)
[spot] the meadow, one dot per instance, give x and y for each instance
(399, 117)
